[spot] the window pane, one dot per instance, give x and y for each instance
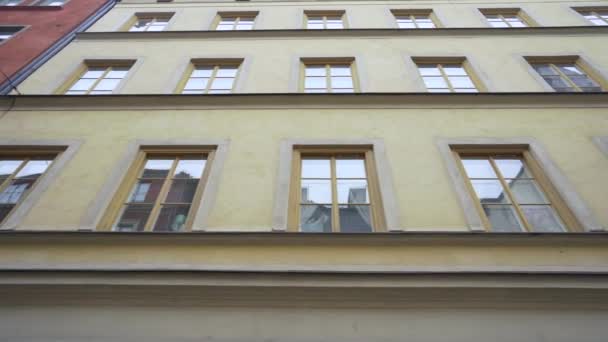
(478, 168)
(406, 24)
(5, 209)
(350, 168)
(315, 26)
(172, 218)
(156, 28)
(315, 218)
(526, 191)
(196, 83)
(222, 27)
(544, 69)
(583, 81)
(146, 191)
(542, 218)
(496, 23)
(94, 72)
(355, 219)
(340, 70)
(157, 168)
(202, 72)
(34, 168)
(226, 71)
(133, 218)
(352, 191)
(425, 25)
(342, 82)
(461, 82)
(190, 168)
(454, 70)
(489, 191)
(512, 168)
(556, 82)
(315, 70)
(244, 27)
(316, 191)
(182, 191)
(315, 83)
(315, 168)
(429, 70)
(7, 167)
(14, 191)
(117, 73)
(570, 69)
(107, 84)
(435, 82)
(83, 84)
(334, 24)
(222, 83)
(502, 218)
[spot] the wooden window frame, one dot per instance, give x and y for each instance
(328, 62)
(518, 12)
(147, 15)
(416, 12)
(324, 14)
(234, 14)
(575, 60)
(593, 10)
(378, 222)
(113, 211)
(84, 67)
(489, 151)
(216, 63)
(27, 154)
(440, 61)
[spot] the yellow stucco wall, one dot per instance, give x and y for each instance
(360, 14)
(384, 64)
(245, 196)
(425, 198)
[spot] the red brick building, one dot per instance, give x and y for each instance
(31, 31)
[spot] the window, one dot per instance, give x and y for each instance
(161, 190)
(506, 17)
(446, 76)
(211, 77)
(6, 32)
(565, 74)
(239, 21)
(150, 22)
(334, 190)
(328, 76)
(597, 16)
(99, 78)
(328, 20)
(18, 174)
(415, 19)
(10, 2)
(510, 191)
(51, 3)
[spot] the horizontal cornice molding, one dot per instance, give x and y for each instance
(302, 100)
(455, 31)
(283, 238)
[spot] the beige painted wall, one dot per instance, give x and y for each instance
(384, 63)
(426, 199)
(123, 323)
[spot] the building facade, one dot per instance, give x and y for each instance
(312, 171)
(32, 31)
